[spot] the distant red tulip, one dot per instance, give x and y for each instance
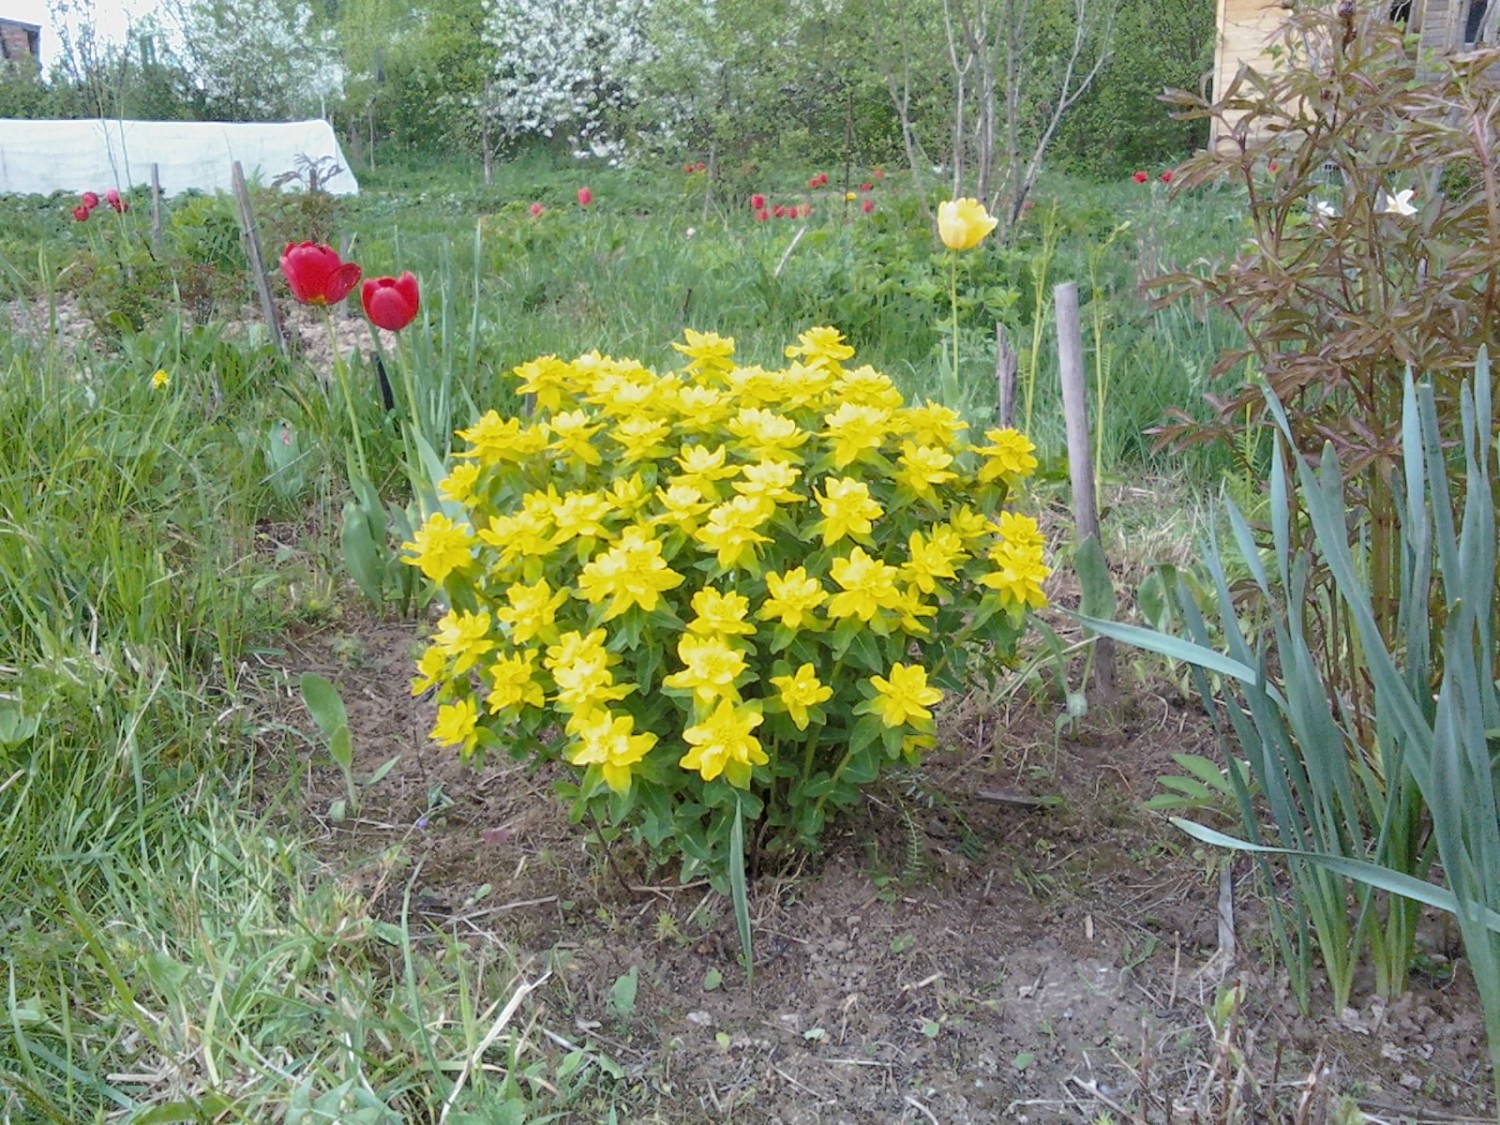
(391, 302)
(807, 208)
(1166, 177)
(867, 206)
(1140, 177)
(812, 182)
(879, 174)
(536, 210)
(89, 199)
(779, 211)
(700, 167)
(585, 197)
(81, 213)
(867, 186)
(316, 274)
(762, 215)
(112, 197)
(687, 169)
(757, 202)
(1271, 167)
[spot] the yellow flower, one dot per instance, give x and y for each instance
(848, 509)
(580, 515)
(458, 485)
(604, 740)
(867, 585)
(720, 614)
(514, 683)
(702, 408)
(723, 744)
(439, 547)
(710, 668)
(1020, 531)
(571, 431)
(964, 223)
(767, 434)
(530, 611)
(931, 558)
(681, 505)
(580, 667)
(708, 351)
(821, 347)
(770, 481)
(1010, 456)
(853, 429)
(932, 423)
(640, 438)
(905, 696)
(921, 467)
(457, 725)
(527, 533)
(732, 529)
(545, 379)
(430, 669)
(1018, 576)
(463, 638)
(864, 386)
(970, 526)
(702, 466)
(792, 597)
(631, 572)
(493, 439)
(161, 380)
(800, 691)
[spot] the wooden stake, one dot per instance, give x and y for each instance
(1005, 380)
(257, 260)
(155, 208)
(1080, 457)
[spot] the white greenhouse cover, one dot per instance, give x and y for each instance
(40, 157)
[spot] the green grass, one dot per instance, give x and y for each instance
(165, 946)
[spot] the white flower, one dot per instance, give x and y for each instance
(1325, 209)
(1398, 204)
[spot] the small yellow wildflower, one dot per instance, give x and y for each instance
(457, 725)
(439, 547)
(853, 430)
(458, 485)
(580, 515)
(430, 669)
(821, 347)
(493, 439)
(866, 586)
(723, 744)
(1018, 576)
(848, 510)
(161, 380)
(463, 638)
(931, 558)
(1009, 456)
(571, 431)
(732, 530)
(792, 597)
(708, 351)
(580, 667)
(921, 467)
(905, 696)
(720, 614)
(767, 435)
(531, 611)
(632, 572)
(710, 667)
(605, 740)
(513, 680)
(799, 691)
(1020, 531)
(770, 481)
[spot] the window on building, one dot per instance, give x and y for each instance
(1475, 20)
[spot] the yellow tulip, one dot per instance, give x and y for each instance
(964, 223)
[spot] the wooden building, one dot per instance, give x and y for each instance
(1248, 29)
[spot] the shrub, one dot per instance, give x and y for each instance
(724, 593)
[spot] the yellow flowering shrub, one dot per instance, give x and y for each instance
(720, 589)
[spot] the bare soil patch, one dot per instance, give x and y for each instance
(945, 957)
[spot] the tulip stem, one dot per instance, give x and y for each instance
(341, 373)
(953, 389)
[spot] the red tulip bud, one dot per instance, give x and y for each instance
(757, 202)
(1166, 177)
(867, 186)
(90, 199)
(762, 215)
(81, 213)
(1140, 177)
(536, 210)
(867, 206)
(391, 302)
(585, 197)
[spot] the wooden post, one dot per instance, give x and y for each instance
(155, 208)
(257, 260)
(1005, 380)
(1080, 457)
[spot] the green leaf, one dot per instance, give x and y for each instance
(739, 892)
(341, 748)
(364, 555)
(324, 703)
(622, 994)
(1096, 584)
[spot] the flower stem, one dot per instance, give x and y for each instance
(953, 298)
(341, 373)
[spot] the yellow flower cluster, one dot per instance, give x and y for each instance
(695, 552)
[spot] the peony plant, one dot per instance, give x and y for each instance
(722, 593)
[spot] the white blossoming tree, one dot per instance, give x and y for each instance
(569, 70)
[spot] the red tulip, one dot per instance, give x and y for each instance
(81, 213)
(879, 174)
(90, 199)
(1140, 177)
(779, 211)
(687, 169)
(112, 197)
(316, 274)
(867, 186)
(1271, 167)
(762, 215)
(1166, 177)
(757, 202)
(700, 167)
(867, 206)
(585, 197)
(536, 210)
(391, 302)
